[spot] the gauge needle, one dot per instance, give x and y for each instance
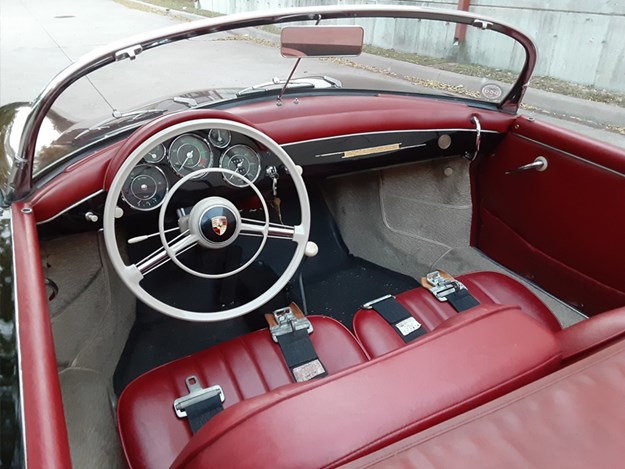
(189, 155)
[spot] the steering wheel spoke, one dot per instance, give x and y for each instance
(251, 227)
(181, 243)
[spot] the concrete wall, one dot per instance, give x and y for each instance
(582, 41)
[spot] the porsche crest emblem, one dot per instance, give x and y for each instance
(220, 225)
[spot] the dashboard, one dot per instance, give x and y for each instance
(161, 167)
(325, 136)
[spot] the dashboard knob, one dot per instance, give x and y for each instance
(92, 217)
(311, 249)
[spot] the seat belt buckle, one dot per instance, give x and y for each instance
(196, 394)
(287, 320)
(441, 284)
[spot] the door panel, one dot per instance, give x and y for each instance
(563, 228)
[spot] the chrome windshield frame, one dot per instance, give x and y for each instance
(21, 177)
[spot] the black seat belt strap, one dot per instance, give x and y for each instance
(461, 300)
(200, 405)
(291, 330)
(200, 413)
(446, 288)
(397, 316)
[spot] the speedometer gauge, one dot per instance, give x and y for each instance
(189, 153)
(145, 188)
(243, 160)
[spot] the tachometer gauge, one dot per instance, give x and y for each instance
(219, 138)
(156, 154)
(189, 153)
(243, 160)
(145, 188)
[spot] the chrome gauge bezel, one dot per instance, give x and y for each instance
(253, 178)
(220, 145)
(211, 154)
(141, 209)
(163, 147)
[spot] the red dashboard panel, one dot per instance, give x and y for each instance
(312, 117)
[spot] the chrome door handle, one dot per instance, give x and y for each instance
(539, 164)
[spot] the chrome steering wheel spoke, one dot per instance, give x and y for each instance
(251, 227)
(181, 243)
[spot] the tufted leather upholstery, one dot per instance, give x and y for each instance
(493, 350)
(151, 434)
(378, 337)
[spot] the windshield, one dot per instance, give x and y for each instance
(417, 56)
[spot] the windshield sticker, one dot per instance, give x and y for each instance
(491, 91)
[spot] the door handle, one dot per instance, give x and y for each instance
(539, 164)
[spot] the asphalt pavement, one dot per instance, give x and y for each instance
(38, 38)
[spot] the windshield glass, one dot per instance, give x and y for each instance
(399, 55)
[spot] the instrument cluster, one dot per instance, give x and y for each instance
(148, 183)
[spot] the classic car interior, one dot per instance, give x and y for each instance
(421, 288)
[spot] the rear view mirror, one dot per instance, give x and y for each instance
(321, 41)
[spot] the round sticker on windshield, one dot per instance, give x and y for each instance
(491, 91)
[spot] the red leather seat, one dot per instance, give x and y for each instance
(378, 337)
(487, 352)
(572, 418)
(151, 434)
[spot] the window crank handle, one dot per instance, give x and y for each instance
(539, 164)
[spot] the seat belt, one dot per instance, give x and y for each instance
(397, 316)
(291, 330)
(200, 405)
(446, 288)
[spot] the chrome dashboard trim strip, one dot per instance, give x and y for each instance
(472, 131)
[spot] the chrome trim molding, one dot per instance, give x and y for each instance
(67, 209)
(472, 131)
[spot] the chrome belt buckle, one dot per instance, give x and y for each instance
(442, 287)
(196, 394)
(286, 321)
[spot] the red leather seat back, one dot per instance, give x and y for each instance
(152, 436)
(332, 421)
(573, 418)
(378, 337)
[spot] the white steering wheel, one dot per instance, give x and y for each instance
(214, 223)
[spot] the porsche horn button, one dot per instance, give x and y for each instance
(219, 224)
